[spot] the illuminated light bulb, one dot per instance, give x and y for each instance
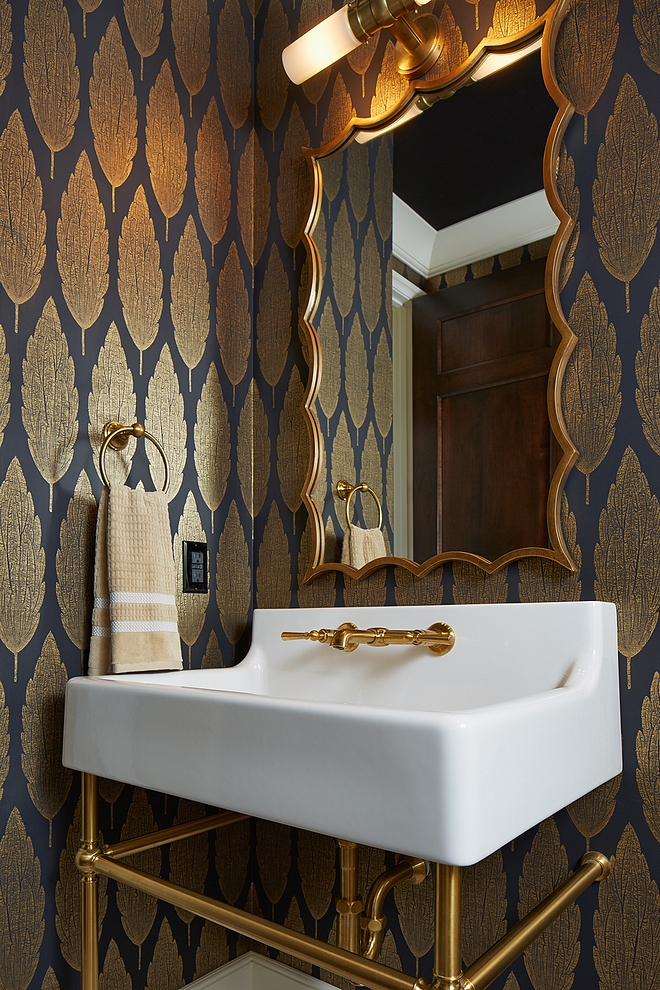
(495, 61)
(413, 111)
(317, 49)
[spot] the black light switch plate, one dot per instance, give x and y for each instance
(195, 567)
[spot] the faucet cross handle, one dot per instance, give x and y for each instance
(438, 638)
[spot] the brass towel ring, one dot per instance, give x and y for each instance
(116, 435)
(346, 491)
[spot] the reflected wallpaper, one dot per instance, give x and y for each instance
(152, 193)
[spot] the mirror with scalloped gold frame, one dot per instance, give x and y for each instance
(424, 93)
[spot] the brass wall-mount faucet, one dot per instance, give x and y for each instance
(438, 638)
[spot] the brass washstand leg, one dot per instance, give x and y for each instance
(447, 965)
(349, 905)
(89, 883)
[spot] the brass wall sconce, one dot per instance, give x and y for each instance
(418, 48)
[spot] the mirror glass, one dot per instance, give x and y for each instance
(436, 342)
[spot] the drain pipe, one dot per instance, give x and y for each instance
(407, 870)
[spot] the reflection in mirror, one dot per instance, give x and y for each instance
(440, 405)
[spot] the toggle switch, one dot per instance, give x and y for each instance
(195, 567)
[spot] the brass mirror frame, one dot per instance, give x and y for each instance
(548, 25)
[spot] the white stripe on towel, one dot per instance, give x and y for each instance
(101, 603)
(141, 598)
(140, 627)
(100, 631)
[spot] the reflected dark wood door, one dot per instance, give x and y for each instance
(482, 444)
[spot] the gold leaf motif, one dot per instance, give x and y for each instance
(390, 85)
(50, 398)
(546, 581)
(48, 781)
(22, 219)
(569, 194)
(454, 50)
(253, 451)
(22, 563)
(293, 180)
(50, 981)
(233, 65)
(584, 52)
(189, 292)
(383, 181)
(361, 57)
(213, 656)
(213, 950)
(4, 740)
(23, 900)
(371, 280)
(73, 564)
(371, 470)
(232, 855)
(484, 906)
(82, 247)
(551, 959)
(189, 858)
(233, 325)
(648, 758)
(342, 465)
(110, 791)
(5, 385)
(144, 19)
(165, 419)
(647, 367)
(51, 74)
(272, 82)
(274, 568)
(317, 855)
(627, 922)
(476, 13)
(292, 444)
(320, 593)
(340, 111)
(591, 397)
(88, 7)
(192, 43)
(382, 386)
(343, 262)
(416, 906)
(67, 896)
(628, 185)
(114, 975)
(591, 813)
(138, 910)
(511, 16)
(166, 967)
(511, 982)
(330, 385)
(274, 859)
(410, 590)
(212, 442)
(646, 21)
(359, 179)
(274, 319)
(626, 562)
(212, 176)
(472, 586)
(166, 150)
(367, 591)
(252, 906)
(233, 577)
(113, 109)
(253, 206)
(191, 608)
(6, 39)
(140, 281)
(312, 12)
(111, 399)
(294, 921)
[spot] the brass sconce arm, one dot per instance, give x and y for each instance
(438, 638)
(419, 38)
(373, 921)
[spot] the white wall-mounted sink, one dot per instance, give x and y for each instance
(447, 758)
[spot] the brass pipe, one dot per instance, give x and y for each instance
(349, 905)
(373, 920)
(89, 885)
(593, 866)
(160, 838)
(447, 966)
(333, 958)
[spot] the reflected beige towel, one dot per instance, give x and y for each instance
(134, 622)
(362, 545)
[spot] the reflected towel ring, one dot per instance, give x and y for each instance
(116, 435)
(346, 491)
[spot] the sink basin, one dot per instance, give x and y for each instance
(447, 758)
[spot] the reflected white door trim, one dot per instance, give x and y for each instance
(432, 252)
(402, 424)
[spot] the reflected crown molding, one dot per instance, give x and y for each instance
(403, 291)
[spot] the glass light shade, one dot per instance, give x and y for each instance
(317, 49)
(495, 61)
(363, 136)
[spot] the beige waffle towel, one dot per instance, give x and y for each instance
(134, 622)
(362, 545)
